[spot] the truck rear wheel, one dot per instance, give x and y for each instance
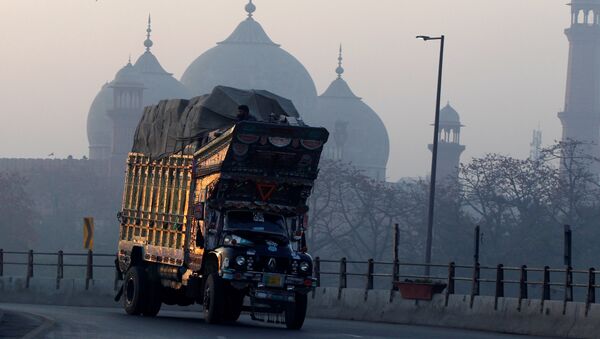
(296, 312)
(152, 296)
(133, 290)
(213, 300)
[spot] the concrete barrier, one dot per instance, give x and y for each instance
(71, 292)
(529, 318)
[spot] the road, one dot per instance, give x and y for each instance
(89, 322)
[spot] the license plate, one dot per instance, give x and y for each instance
(273, 280)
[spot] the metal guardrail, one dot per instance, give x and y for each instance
(451, 278)
(59, 263)
(474, 279)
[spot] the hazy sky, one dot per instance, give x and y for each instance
(505, 65)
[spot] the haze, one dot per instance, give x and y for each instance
(505, 63)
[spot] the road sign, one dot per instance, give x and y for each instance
(88, 233)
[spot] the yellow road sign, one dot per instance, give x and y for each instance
(88, 233)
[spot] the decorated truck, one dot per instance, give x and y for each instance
(218, 219)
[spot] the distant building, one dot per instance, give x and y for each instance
(358, 136)
(536, 145)
(246, 59)
(157, 84)
(581, 115)
(449, 147)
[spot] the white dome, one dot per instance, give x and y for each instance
(249, 59)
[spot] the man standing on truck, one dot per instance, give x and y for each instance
(244, 114)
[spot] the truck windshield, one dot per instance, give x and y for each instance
(256, 222)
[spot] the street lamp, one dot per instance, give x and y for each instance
(434, 151)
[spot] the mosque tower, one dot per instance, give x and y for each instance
(157, 84)
(581, 116)
(126, 113)
(449, 147)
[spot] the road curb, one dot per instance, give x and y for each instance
(39, 331)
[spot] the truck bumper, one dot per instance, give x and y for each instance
(260, 281)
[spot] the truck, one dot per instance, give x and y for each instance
(222, 224)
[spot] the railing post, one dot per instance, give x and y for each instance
(317, 273)
(59, 269)
(522, 285)
(1, 262)
(370, 269)
(343, 278)
(499, 285)
(475, 283)
(569, 283)
(591, 289)
(396, 259)
(546, 284)
(451, 275)
(395, 274)
(568, 287)
(395, 277)
(29, 268)
(89, 272)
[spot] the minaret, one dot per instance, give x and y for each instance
(125, 114)
(449, 147)
(581, 116)
(536, 145)
(340, 130)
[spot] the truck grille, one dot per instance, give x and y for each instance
(282, 264)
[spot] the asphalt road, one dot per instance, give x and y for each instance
(88, 322)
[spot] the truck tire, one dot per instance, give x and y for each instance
(233, 308)
(213, 300)
(296, 312)
(152, 296)
(134, 290)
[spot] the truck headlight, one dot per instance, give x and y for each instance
(240, 260)
(304, 266)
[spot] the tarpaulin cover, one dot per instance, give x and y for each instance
(171, 125)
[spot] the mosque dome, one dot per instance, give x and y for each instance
(158, 84)
(358, 134)
(249, 59)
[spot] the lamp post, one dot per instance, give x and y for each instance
(434, 151)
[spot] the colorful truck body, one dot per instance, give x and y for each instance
(222, 225)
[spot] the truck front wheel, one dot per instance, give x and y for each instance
(235, 301)
(296, 312)
(214, 299)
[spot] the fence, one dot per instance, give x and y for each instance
(31, 259)
(499, 278)
(472, 280)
